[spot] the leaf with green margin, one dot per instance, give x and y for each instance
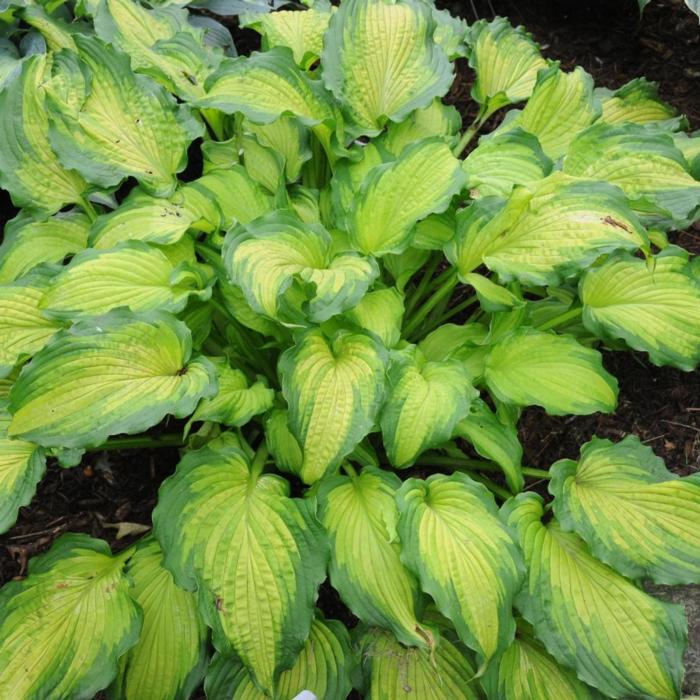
(282, 444)
(325, 664)
(654, 309)
(56, 32)
(146, 135)
(280, 263)
(380, 62)
(334, 388)
(494, 439)
(561, 106)
(168, 661)
(633, 513)
(616, 637)
(134, 275)
(265, 165)
(22, 464)
(449, 338)
(360, 516)
(121, 373)
(636, 101)
(437, 119)
(300, 31)
(225, 530)
(506, 61)
(236, 402)
(503, 161)
(424, 402)
(63, 628)
(492, 297)
(28, 243)
(435, 231)
(23, 327)
(29, 169)
(394, 672)
(391, 200)
(463, 556)
(525, 671)
(380, 312)
(644, 164)
(530, 367)
(546, 233)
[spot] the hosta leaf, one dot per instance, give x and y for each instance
(133, 275)
(167, 662)
(391, 200)
(619, 639)
(494, 439)
(636, 101)
(380, 312)
(424, 402)
(506, 61)
(500, 163)
(561, 106)
(526, 671)
(64, 626)
(324, 666)
(395, 672)
(256, 556)
(360, 516)
(492, 297)
(644, 164)
(464, 557)
(146, 135)
(283, 446)
(28, 243)
(119, 374)
(655, 309)
(281, 263)
(634, 514)
(302, 32)
(545, 234)
(22, 464)
(29, 169)
(553, 371)
(334, 388)
(235, 402)
(380, 62)
(437, 119)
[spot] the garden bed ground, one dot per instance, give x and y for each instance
(661, 405)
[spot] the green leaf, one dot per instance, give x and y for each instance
(23, 328)
(526, 671)
(391, 200)
(360, 515)
(133, 275)
(146, 135)
(63, 628)
(424, 402)
(380, 62)
(29, 169)
(636, 101)
(225, 530)
(380, 312)
(324, 664)
(561, 106)
(653, 309)
(334, 388)
(492, 297)
(634, 514)
(494, 439)
(66, 397)
(556, 372)
(22, 464)
(619, 639)
(506, 62)
(281, 263)
(644, 164)
(464, 557)
(503, 161)
(283, 446)
(547, 233)
(235, 402)
(167, 663)
(395, 672)
(28, 243)
(302, 32)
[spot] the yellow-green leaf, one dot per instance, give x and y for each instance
(636, 101)
(381, 312)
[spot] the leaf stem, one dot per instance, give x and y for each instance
(139, 442)
(470, 133)
(87, 207)
(445, 290)
(450, 313)
(259, 462)
(444, 461)
(349, 470)
(561, 319)
(417, 295)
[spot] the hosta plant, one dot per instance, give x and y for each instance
(287, 265)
